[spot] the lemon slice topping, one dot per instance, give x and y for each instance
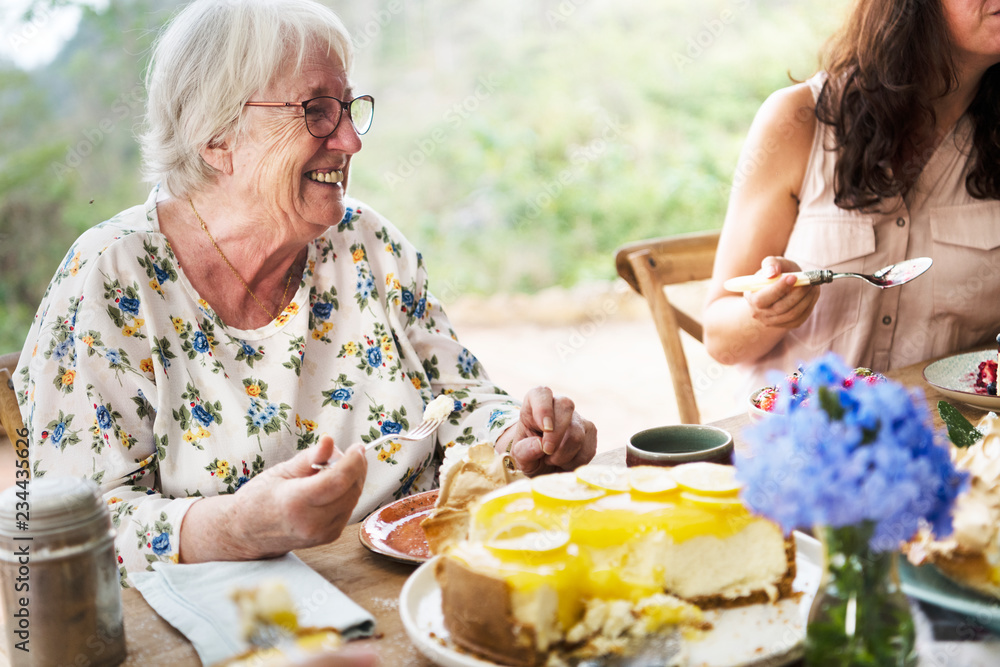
(564, 487)
(527, 536)
(718, 502)
(609, 478)
(707, 478)
(652, 480)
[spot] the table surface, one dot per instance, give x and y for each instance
(374, 582)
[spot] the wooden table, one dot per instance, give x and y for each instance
(374, 582)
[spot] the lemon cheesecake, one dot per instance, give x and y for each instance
(587, 561)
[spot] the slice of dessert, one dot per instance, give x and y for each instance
(577, 564)
(971, 556)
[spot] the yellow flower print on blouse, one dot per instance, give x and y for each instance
(114, 499)
(222, 468)
(146, 365)
(253, 390)
(178, 324)
(309, 425)
(383, 455)
(128, 332)
(350, 349)
(358, 255)
(88, 341)
(189, 437)
(156, 286)
(415, 381)
(68, 378)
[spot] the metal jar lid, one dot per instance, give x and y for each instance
(48, 505)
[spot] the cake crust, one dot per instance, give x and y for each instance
(759, 596)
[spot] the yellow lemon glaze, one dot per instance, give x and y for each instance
(606, 547)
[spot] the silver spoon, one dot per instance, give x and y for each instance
(893, 275)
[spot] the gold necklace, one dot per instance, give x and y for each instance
(235, 272)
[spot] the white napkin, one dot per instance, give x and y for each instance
(195, 600)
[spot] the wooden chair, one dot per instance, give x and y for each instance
(650, 265)
(8, 401)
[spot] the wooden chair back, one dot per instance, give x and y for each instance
(10, 416)
(648, 266)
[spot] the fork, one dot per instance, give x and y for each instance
(423, 430)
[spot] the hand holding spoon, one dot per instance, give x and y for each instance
(890, 276)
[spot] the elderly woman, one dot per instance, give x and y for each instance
(197, 354)
(890, 153)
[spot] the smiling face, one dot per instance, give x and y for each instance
(288, 174)
(974, 26)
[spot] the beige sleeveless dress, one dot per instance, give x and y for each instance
(952, 307)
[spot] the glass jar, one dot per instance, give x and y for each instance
(62, 600)
(860, 617)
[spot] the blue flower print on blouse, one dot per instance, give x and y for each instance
(323, 310)
(466, 362)
(161, 544)
(129, 305)
(365, 285)
(343, 394)
(113, 356)
(203, 416)
(103, 418)
(62, 349)
(58, 432)
(407, 298)
(374, 356)
(200, 342)
(390, 427)
(161, 274)
(418, 312)
(248, 349)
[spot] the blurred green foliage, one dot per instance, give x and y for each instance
(516, 143)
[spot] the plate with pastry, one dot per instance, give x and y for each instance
(968, 378)
(606, 560)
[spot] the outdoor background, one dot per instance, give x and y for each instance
(516, 142)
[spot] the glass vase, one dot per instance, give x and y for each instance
(859, 616)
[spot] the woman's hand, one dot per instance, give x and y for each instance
(782, 304)
(549, 436)
(288, 506)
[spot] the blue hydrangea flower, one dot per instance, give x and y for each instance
(129, 305)
(161, 544)
(200, 342)
(374, 356)
(103, 417)
(203, 416)
(391, 427)
(867, 452)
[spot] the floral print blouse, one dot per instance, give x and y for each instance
(129, 378)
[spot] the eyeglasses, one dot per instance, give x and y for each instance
(323, 114)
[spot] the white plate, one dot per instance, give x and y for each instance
(955, 377)
(763, 634)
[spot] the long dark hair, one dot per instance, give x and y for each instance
(890, 60)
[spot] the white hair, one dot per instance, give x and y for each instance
(209, 60)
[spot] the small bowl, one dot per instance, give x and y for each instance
(755, 413)
(679, 443)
